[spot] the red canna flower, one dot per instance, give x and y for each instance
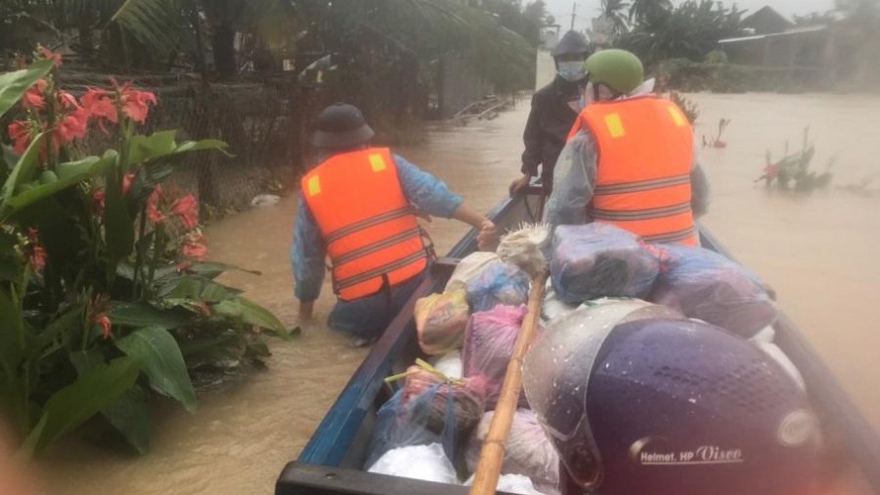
(72, 126)
(67, 100)
(100, 105)
(127, 179)
(36, 254)
(187, 208)
(97, 314)
(99, 198)
(33, 97)
(194, 246)
(134, 103)
(21, 133)
(154, 212)
(49, 54)
(104, 322)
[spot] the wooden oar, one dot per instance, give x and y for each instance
(495, 445)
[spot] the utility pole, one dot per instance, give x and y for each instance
(574, 7)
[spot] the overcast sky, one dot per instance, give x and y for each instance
(587, 9)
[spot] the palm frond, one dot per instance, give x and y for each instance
(159, 24)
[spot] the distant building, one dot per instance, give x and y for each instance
(802, 47)
(550, 37)
(601, 32)
(817, 53)
(765, 21)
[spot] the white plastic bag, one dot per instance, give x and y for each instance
(450, 364)
(513, 483)
(553, 307)
(469, 268)
(529, 452)
(421, 462)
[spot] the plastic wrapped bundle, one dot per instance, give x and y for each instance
(428, 409)
(529, 451)
(421, 462)
(467, 396)
(398, 425)
(498, 283)
(515, 483)
(441, 320)
(469, 268)
(488, 345)
(600, 260)
(705, 285)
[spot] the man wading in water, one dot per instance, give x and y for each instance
(356, 207)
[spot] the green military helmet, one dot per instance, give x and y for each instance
(620, 70)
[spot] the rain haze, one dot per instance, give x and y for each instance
(587, 9)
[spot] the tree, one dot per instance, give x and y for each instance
(642, 11)
(691, 30)
(614, 12)
(862, 19)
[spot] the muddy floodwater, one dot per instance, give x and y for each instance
(820, 252)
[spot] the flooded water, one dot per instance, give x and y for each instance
(817, 251)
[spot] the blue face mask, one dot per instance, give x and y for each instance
(572, 71)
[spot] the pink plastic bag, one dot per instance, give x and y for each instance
(488, 346)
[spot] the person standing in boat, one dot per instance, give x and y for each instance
(554, 110)
(358, 206)
(630, 159)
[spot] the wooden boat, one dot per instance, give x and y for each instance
(332, 461)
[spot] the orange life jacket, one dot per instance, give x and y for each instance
(645, 156)
(373, 238)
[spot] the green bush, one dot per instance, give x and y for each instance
(105, 297)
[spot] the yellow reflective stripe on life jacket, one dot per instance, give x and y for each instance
(677, 117)
(615, 125)
(377, 163)
(314, 185)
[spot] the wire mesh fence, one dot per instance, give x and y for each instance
(264, 121)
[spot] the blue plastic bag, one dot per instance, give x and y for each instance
(400, 424)
(705, 285)
(498, 283)
(428, 409)
(599, 260)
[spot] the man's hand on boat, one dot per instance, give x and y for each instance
(519, 185)
(488, 237)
